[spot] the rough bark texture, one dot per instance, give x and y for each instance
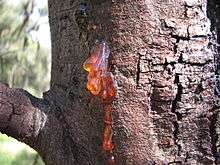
(164, 56)
(21, 115)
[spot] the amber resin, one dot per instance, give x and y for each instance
(101, 83)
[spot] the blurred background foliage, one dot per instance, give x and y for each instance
(14, 153)
(24, 63)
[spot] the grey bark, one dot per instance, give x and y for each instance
(164, 56)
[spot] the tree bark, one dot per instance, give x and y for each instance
(22, 116)
(164, 57)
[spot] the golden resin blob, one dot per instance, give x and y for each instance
(101, 83)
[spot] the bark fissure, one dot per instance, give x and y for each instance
(138, 71)
(178, 38)
(178, 115)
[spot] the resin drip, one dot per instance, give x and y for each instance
(101, 83)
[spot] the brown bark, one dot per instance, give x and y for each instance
(22, 116)
(165, 61)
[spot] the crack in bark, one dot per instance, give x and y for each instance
(175, 162)
(199, 36)
(138, 71)
(178, 115)
(180, 61)
(178, 38)
(198, 64)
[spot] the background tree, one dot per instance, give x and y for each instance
(164, 56)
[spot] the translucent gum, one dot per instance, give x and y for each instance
(101, 83)
(100, 80)
(107, 138)
(108, 115)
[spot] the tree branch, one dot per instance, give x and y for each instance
(22, 115)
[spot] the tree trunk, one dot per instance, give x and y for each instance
(164, 58)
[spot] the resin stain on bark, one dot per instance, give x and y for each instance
(101, 83)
